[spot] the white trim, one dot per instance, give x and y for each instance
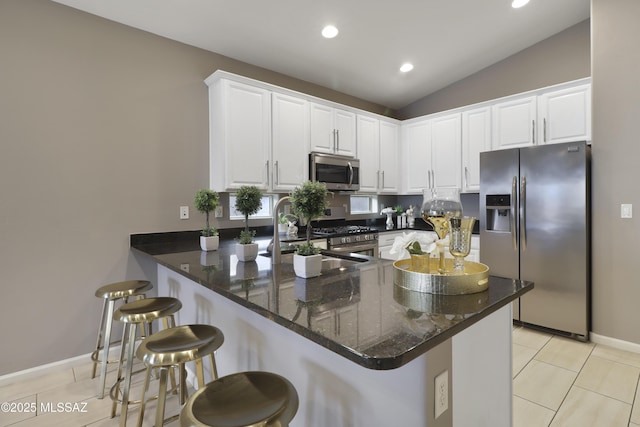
(615, 343)
(49, 368)
(61, 365)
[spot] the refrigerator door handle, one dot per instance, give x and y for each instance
(523, 212)
(514, 191)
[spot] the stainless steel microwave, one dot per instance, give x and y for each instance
(339, 173)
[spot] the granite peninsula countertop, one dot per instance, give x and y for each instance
(356, 311)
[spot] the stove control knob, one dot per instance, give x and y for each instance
(343, 240)
(357, 238)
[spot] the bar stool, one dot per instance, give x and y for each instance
(244, 399)
(110, 294)
(172, 348)
(142, 312)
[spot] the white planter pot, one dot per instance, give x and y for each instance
(209, 243)
(247, 252)
(307, 266)
(282, 228)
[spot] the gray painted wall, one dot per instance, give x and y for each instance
(103, 132)
(616, 177)
(558, 59)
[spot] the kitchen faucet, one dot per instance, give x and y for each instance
(275, 241)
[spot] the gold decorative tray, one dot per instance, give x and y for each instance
(474, 279)
(423, 302)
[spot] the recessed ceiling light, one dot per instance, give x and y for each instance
(329, 32)
(518, 3)
(406, 67)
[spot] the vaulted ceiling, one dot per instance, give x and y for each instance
(445, 40)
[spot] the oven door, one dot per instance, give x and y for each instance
(367, 249)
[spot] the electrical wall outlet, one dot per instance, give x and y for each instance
(218, 212)
(441, 393)
(626, 211)
(184, 212)
(184, 267)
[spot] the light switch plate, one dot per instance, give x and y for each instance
(626, 210)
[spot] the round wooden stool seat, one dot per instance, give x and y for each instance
(174, 347)
(110, 294)
(245, 399)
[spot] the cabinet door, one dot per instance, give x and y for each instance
(247, 135)
(476, 138)
(368, 149)
(345, 126)
(446, 147)
(514, 123)
(565, 115)
(290, 142)
(388, 157)
(416, 156)
(322, 130)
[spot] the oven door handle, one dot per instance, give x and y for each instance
(352, 248)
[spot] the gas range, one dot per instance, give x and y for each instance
(350, 238)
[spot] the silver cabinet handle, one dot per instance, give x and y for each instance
(533, 131)
(337, 140)
(514, 193)
(544, 127)
(466, 177)
(276, 171)
(382, 179)
(378, 179)
(523, 213)
(333, 133)
(267, 166)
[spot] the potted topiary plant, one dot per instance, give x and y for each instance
(248, 202)
(207, 200)
(309, 202)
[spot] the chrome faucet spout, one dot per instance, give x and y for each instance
(276, 254)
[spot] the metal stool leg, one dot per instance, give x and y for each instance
(105, 349)
(131, 343)
(98, 347)
(162, 395)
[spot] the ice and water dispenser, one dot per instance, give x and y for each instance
(498, 212)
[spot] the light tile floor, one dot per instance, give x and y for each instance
(557, 382)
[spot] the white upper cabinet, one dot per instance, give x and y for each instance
(476, 138)
(514, 123)
(565, 115)
(368, 143)
(389, 134)
(446, 151)
(290, 142)
(547, 116)
(416, 156)
(240, 134)
(431, 150)
(333, 130)
(377, 147)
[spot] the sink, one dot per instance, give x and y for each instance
(331, 263)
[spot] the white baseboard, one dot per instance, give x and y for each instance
(70, 363)
(50, 368)
(615, 343)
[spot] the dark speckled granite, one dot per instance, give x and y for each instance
(381, 326)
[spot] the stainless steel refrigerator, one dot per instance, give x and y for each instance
(535, 225)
